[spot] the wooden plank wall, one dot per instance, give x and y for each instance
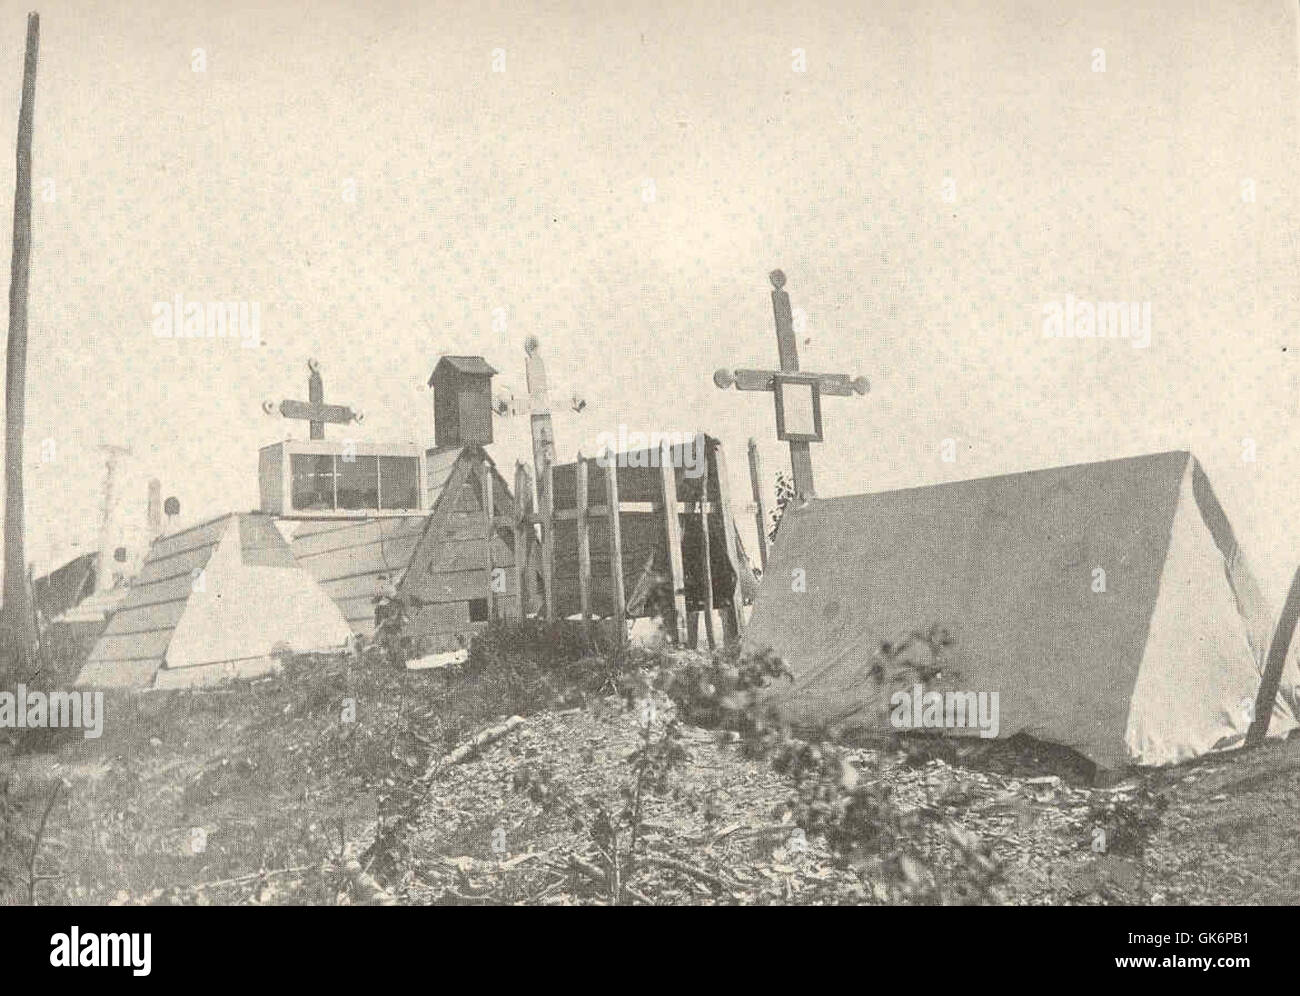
(584, 579)
(348, 558)
(458, 565)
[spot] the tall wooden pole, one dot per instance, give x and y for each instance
(1274, 662)
(17, 609)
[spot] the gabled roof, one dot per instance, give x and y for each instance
(134, 645)
(454, 474)
(474, 365)
(226, 591)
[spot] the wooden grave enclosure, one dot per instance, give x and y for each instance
(612, 511)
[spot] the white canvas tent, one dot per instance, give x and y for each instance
(1160, 664)
(214, 602)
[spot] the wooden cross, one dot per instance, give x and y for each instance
(797, 394)
(314, 410)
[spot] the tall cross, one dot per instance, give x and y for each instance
(797, 394)
(314, 410)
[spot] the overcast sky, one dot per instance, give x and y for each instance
(526, 190)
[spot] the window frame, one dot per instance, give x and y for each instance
(409, 478)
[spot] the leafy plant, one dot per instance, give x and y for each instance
(894, 848)
(393, 627)
(785, 495)
(651, 763)
(919, 656)
(722, 692)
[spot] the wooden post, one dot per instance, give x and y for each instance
(489, 509)
(708, 565)
(315, 396)
(1275, 662)
(760, 512)
(546, 493)
(584, 548)
(615, 546)
(543, 459)
(801, 469)
(733, 619)
(17, 596)
(673, 533)
(523, 532)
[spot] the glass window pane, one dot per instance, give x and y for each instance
(359, 482)
(399, 479)
(313, 481)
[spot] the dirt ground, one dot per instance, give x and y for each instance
(252, 795)
(1227, 837)
(1232, 834)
